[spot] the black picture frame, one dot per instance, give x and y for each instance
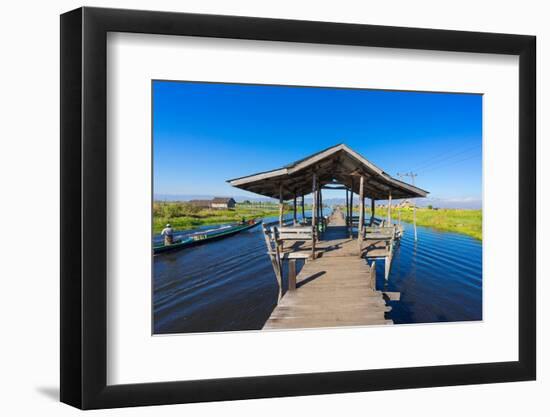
(84, 207)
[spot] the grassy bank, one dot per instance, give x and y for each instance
(183, 216)
(467, 222)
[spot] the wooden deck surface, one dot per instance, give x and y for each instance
(335, 243)
(333, 290)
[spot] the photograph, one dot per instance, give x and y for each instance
(279, 207)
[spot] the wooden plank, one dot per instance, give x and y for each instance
(297, 255)
(291, 229)
(393, 296)
(296, 236)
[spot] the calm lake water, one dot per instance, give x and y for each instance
(230, 285)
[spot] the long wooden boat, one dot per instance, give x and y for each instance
(206, 236)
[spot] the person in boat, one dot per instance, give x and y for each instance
(168, 234)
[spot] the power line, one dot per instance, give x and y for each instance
(448, 163)
(443, 157)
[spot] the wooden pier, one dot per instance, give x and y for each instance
(337, 288)
(337, 285)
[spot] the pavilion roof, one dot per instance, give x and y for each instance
(338, 164)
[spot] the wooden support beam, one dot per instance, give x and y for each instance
(364, 213)
(281, 205)
(361, 213)
(313, 210)
(351, 210)
(326, 187)
(303, 208)
(347, 208)
(295, 213)
(292, 274)
(318, 205)
(389, 208)
(389, 258)
(274, 256)
(372, 209)
(321, 219)
(373, 275)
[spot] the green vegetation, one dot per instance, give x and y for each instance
(468, 222)
(183, 215)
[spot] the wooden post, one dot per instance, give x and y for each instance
(313, 209)
(274, 256)
(347, 208)
(373, 275)
(295, 214)
(318, 217)
(303, 208)
(389, 258)
(292, 274)
(364, 214)
(351, 210)
(321, 217)
(361, 213)
(372, 208)
(281, 205)
(389, 209)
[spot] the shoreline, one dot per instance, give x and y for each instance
(463, 221)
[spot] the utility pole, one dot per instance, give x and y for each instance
(412, 175)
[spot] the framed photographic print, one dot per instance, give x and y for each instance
(257, 208)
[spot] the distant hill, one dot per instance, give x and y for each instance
(187, 197)
(459, 203)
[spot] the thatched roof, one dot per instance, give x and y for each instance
(336, 165)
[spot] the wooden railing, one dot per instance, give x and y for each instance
(304, 233)
(275, 237)
(355, 221)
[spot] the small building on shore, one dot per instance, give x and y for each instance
(201, 203)
(223, 203)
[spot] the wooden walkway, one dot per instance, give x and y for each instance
(334, 290)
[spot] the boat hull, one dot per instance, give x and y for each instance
(192, 242)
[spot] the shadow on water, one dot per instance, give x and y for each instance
(230, 285)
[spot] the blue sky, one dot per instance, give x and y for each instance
(204, 134)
